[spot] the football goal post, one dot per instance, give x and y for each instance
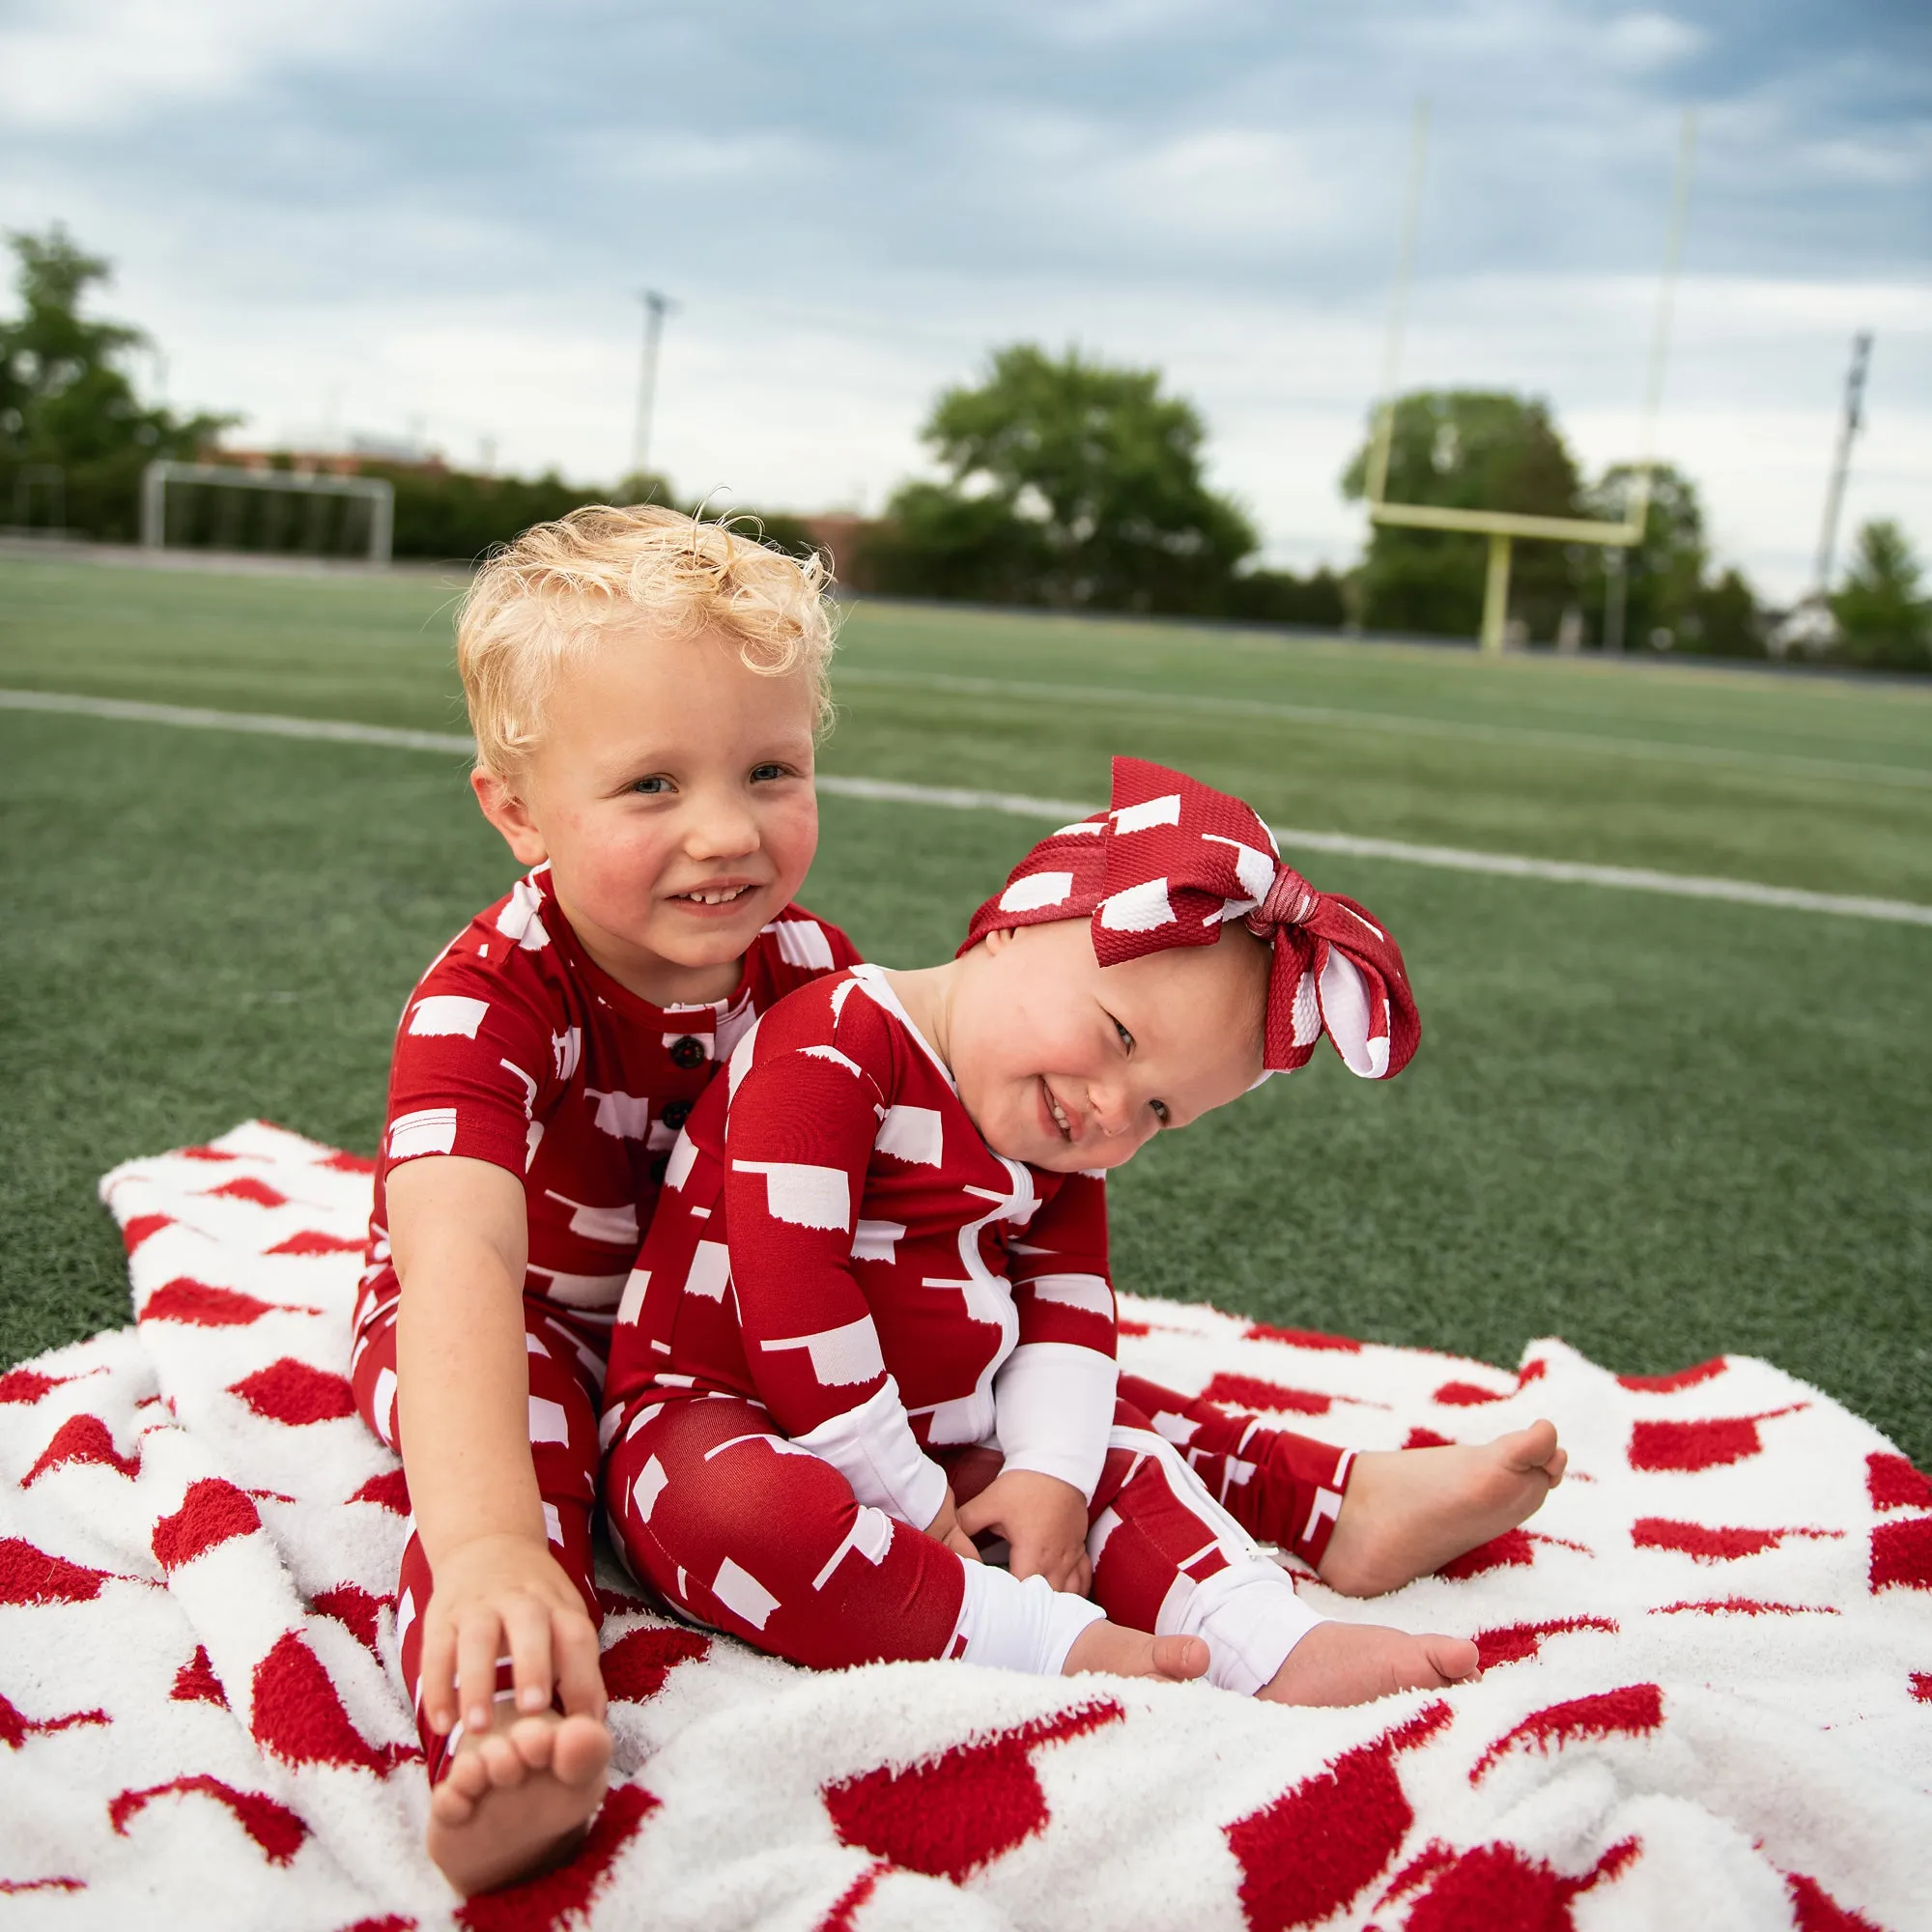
(224, 506)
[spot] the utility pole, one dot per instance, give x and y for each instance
(656, 307)
(1841, 463)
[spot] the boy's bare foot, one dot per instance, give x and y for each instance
(1122, 1652)
(517, 1801)
(1354, 1663)
(1406, 1512)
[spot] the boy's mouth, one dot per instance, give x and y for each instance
(1055, 1112)
(713, 896)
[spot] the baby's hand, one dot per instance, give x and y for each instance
(945, 1528)
(1044, 1521)
(502, 1596)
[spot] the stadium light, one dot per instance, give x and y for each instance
(1504, 527)
(656, 307)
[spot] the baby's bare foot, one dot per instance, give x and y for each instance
(1354, 1663)
(1409, 1511)
(518, 1801)
(1122, 1652)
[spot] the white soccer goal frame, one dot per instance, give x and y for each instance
(379, 496)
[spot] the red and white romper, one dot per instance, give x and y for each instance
(845, 1300)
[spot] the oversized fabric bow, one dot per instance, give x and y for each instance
(1172, 861)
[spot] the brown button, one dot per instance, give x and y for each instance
(658, 1167)
(688, 1053)
(676, 1114)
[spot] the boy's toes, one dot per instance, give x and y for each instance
(531, 1740)
(503, 1760)
(1531, 1448)
(1452, 1658)
(579, 1751)
(449, 1804)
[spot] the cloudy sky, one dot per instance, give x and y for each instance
(437, 217)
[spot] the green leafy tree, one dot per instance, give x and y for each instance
(1471, 449)
(1664, 572)
(1069, 483)
(66, 402)
(1884, 619)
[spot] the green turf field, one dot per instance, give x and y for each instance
(1657, 1127)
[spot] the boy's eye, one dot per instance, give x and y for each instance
(1159, 1111)
(1126, 1038)
(651, 787)
(765, 774)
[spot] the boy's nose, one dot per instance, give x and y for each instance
(720, 828)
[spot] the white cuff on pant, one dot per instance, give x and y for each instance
(1014, 1626)
(1249, 1616)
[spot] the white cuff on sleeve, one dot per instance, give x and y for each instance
(1055, 1406)
(873, 1448)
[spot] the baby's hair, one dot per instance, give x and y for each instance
(559, 584)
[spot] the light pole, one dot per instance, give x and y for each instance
(656, 307)
(1841, 462)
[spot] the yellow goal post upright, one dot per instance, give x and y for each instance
(1504, 527)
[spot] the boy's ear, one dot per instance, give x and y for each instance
(504, 808)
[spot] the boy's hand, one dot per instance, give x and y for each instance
(1044, 1521)
(945, 1528)
(507, 1595)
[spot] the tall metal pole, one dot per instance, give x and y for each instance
(656, 307)
(1841, 463)
(1405, 271)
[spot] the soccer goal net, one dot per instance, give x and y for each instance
(224, 506)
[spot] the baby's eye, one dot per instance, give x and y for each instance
(765, 774)
(651, 787)
(1159, 1111)
(1126, 1038)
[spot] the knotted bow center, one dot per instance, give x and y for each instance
(1290, 900)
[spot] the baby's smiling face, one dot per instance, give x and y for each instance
(1070, 1065)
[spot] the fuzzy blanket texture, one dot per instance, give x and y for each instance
(1707, 1698)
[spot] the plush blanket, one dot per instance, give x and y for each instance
(1707, 1698)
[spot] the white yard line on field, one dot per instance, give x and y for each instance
(1531, 737)
(1019, 805)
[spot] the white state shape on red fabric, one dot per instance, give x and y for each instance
(1140, 908)
(839, 1356)
(1163, 810)
(742, 1594)
(683, 1158)
(625, 1116)
(637, 1285)
(1036, 889)
(802, 942)
(802, 1194)
(832, 1054)
(914, 1134)
(616, 1227)
(1075, 1291)
(650, 1484)
(710, 1272)
(1255, 870)
(870, 1537)
(428, 1130)
(548, 1420)
(519, 919)
(877, 1240)
(447, 1014)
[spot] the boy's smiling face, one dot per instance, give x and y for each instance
(1069, 1064)
(671, 793)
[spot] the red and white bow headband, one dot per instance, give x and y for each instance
(1169, 863)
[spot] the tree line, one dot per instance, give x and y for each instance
(1062, 482)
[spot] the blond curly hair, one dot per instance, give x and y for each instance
(559, 585)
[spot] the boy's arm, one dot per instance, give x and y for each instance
(459, 1235)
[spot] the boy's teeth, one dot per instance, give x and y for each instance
(715, 899)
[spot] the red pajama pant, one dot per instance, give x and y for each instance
(742, 1530)
(566, 1357)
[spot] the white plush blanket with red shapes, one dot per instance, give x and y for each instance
(1707, 1701)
